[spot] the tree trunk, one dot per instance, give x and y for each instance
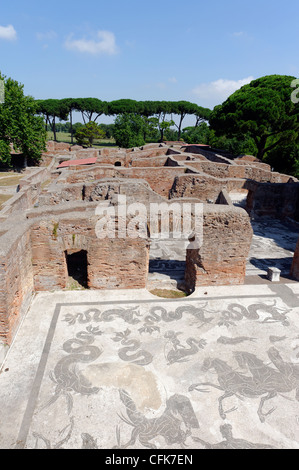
(71, 121)
(54, 129)
(198, 120)
(161, 134)
(180, 126)
(261, 146)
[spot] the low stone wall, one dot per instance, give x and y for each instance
(221, 260)
(66, 152)
(146, 152)
(71, 176)
(135, 191)
(21, 201)
(219, 170)
(224, 198)
(97, 189)
(120, 158)
(160, 179)
(277, 200)
(150, 162)
(204, 188)
(38, 175)
(29, 190)
(61, 193)
(208, 154)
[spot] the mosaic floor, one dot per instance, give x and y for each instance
(219, 369)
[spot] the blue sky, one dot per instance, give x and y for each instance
(199, 51)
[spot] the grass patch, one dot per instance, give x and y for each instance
(11, 180)
(6, 173)
(66, 137)
(168, 293)
(3, 199)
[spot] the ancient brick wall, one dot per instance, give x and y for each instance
(221, 260)
(112, 263)
(281, 178)
(150, 161)
(16, 279)
(88, 174)
(202, 187)
(218, 170)
(257, 174)
(274, 199)
(148, 153)
(208, 154)
(135, 191)
(160, 179)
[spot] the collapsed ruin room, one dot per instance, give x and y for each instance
(48, 227)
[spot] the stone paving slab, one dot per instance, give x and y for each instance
(125, 369)
(273, 245)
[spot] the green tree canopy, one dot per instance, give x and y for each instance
(85, 135)
(162, 126)
(182, 108)
(196, 135)
(108, 129)
(202, 114)
(19, 125)
(129, 130)
(52, 109)
(71, 105)
(88, 107)
(124, 106)
(263, 110)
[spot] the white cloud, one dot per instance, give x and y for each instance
(8, 32)
(219, 90)
(130, 43)
(242, 36)
(103, 44)
(46, 36)
(239, 34)
(172, 80)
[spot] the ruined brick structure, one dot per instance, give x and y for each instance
(53, 216)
